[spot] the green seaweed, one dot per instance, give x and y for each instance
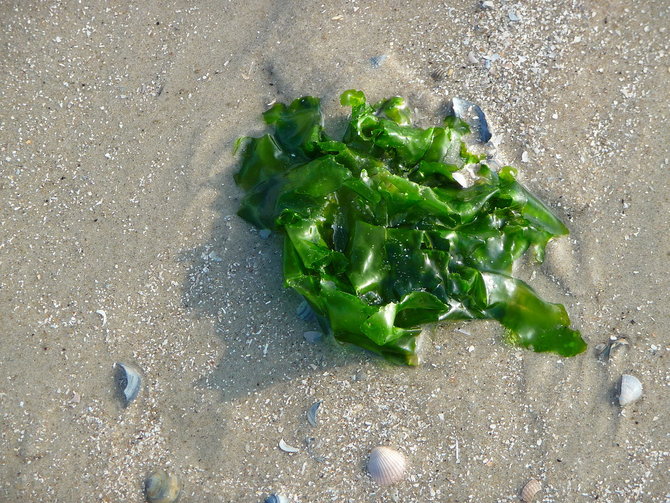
(380, 238)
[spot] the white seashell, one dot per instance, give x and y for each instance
(287, 448)
(386, 466)
(161, 487)
(529, 491)
(630, 389)
(129, 382)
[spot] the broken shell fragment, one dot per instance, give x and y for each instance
(473, 115)
(276, 498)
(386, 466)
(161, 487)
(630, 389)
(129, 382)
(530, 490)
(311, 413)
(287, 448)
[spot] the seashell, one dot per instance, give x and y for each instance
(377, 61)
(472, 115)
(103, 315)
(305, 312)
(630, 389)
(276, 498)
(313, 336)
(386, 466)
(161, 487)
(129, 382)
(529, 491)
(613, 345)
(287, 448)
(311, 413)
(439, 74)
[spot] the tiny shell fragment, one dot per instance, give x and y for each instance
(530, 490)
(287, 448)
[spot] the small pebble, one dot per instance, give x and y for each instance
(264, 233)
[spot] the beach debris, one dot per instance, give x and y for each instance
(512, 15)
(311, 413)
(472, 58)
(630, 389)
(473, 115)
(305, 312)
(439, 74)
(129, 382)
(103, 315)
(608, 350)
(377, 61)
(486, 4)
(529, 491)
(276, 498)
(524, 156)
(161, 487)
(264, 233)
(386, 466)
(287, 448)
(313, 336)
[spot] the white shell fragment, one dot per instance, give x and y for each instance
(287, 448)
(129, 382)
(103, 315)
(161, 487)
(529, 491)
(630, 389)
(311, 413)
(386, 466)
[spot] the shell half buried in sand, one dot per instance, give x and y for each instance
(161, 487)
(529, 491)
(386, 466)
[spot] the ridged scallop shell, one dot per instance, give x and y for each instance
(386, 466)
(161, 487)
(129, 382)
(630, 389)
(529, 491)
(305, 312)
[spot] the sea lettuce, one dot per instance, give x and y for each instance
(380, 237)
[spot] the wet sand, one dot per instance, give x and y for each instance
(116, 130)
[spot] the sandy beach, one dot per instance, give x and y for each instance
(119, 242)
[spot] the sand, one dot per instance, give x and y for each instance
(116, 133)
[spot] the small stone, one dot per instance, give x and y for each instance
(487, 4)
(264, 233)
(525, 157)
